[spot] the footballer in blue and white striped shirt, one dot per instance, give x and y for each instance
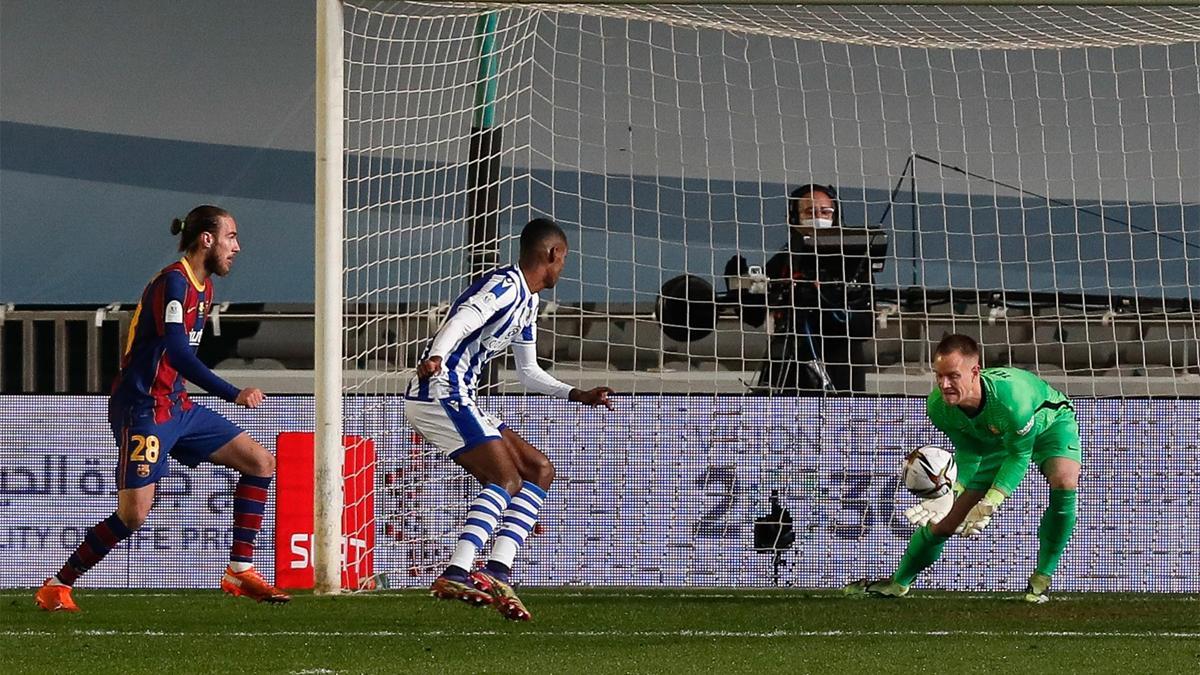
(497, 310)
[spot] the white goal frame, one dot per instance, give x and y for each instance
(329, 238)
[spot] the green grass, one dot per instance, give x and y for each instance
(604, 630)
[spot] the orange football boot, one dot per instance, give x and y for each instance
(55, 598)
(252, 585)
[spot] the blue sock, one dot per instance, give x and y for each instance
(456, 573)
(519, 520)
(482, 517)
(498, 570)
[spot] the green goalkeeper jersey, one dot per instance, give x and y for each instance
(1017, 407)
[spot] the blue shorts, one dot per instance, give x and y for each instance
(190, 436)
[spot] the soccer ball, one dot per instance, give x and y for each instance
(928, 472)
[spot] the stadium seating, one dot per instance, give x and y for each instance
(1095, 350)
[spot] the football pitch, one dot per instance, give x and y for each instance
(604, 630)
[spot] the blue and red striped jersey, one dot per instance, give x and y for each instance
(160, 351)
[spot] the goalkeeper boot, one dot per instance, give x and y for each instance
(250, 584)
(881, 588)
(503, 596)
(1035, 591)
(451, 587)
(55, 598)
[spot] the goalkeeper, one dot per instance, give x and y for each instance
(998, 420)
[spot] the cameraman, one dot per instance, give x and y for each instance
(820, 300)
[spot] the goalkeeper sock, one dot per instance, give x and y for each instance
(519, 519)
(1058, 522)
(924, 548)
(481, 520)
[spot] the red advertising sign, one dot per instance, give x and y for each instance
(294, 511)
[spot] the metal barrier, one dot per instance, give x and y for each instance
(77, 350)
(59, 344)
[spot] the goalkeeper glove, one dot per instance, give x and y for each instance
(929, 511)
(981, 514)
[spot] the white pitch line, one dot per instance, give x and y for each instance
(940, 596)
(833, 593)
(608, 633)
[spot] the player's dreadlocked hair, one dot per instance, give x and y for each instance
(957, 342)
(204, 218)
(536, 233)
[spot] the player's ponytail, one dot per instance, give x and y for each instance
(204, 218)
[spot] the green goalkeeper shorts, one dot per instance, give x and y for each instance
(1060, 439)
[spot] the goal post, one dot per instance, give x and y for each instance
(329, 299)
(1026, 172)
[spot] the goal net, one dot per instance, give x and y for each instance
(1028, 175)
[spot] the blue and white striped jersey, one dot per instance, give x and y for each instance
(509, 313)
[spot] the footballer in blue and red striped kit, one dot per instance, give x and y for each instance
(498, 311)
(152, 417)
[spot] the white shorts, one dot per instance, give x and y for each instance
(452, 425)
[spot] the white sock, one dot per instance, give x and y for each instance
(519, 519)
(485, 510)
(238, 566)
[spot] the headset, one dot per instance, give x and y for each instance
(805, 190)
